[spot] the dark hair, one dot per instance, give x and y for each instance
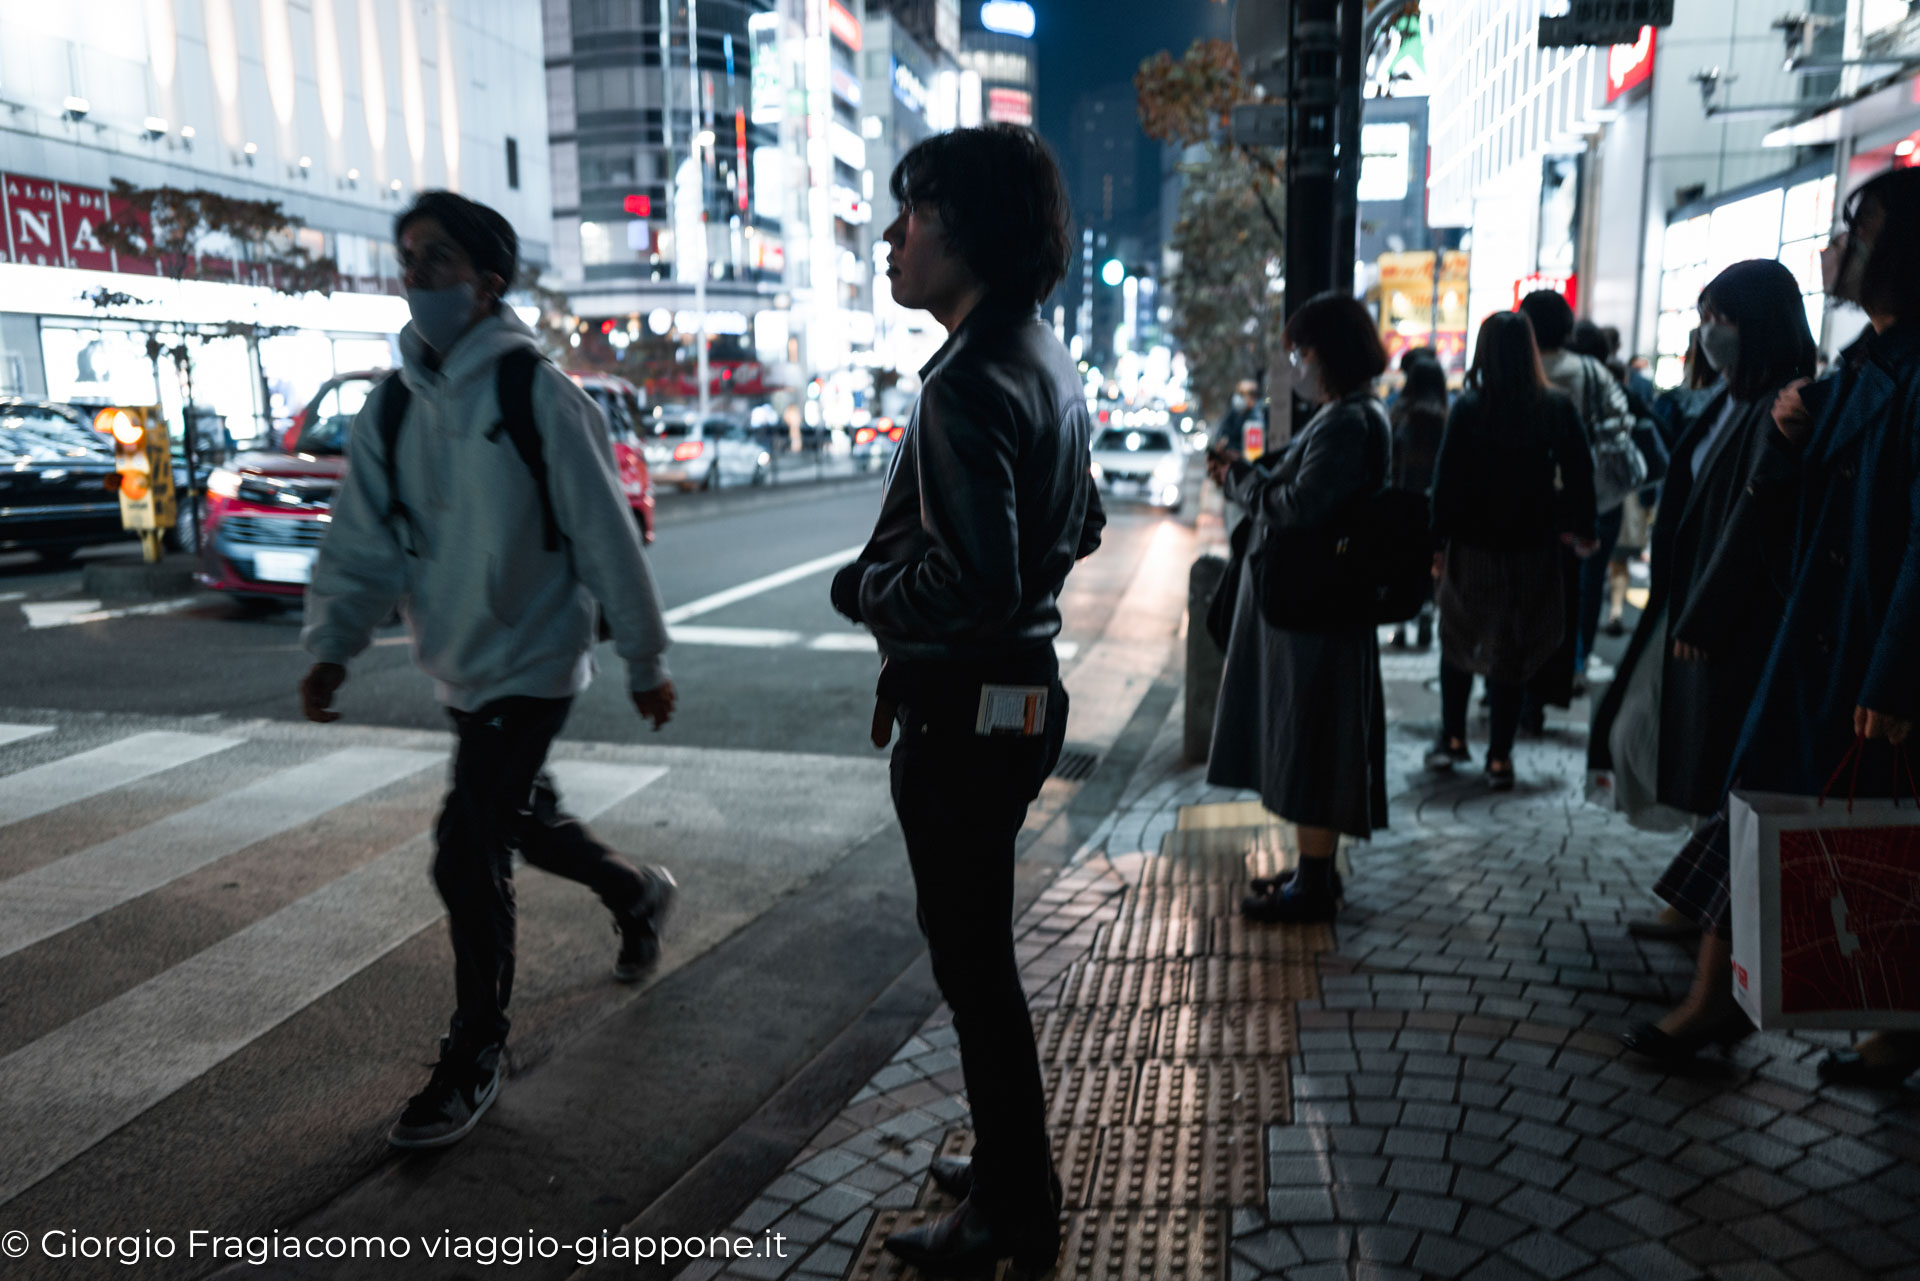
(1002, 203)
(1506, 364)
(1762, 298)
(1417, 356)
(1343, 337)
(1552, 318)
(1891, 282)
(486, 236)
(1426, 380)
(1588, 339)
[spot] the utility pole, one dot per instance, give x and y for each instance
(1313, 76)
(700, 177)
(1346, 203)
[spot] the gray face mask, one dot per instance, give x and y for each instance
(440, 316)
(1720, 344)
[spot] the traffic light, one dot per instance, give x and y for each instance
(141, 455)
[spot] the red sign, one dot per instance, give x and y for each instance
(638, 206)
(82, 209)
(1010, 106)
(33, 222)
(1568, 285)
(1629, 64)
(845, 27)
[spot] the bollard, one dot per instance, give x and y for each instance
(1204, 659)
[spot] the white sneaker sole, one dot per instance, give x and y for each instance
(395, 1139)
(668, 893)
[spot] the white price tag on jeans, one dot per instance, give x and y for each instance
(1017, 710)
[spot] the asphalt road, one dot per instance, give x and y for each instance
(221, 963)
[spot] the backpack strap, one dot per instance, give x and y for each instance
(394, 399)
(515, 387)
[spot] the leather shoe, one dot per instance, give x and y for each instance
(1290, 904)
(1649, 1042)
(953, 1175)
(965, 1242)
(1850, 1067)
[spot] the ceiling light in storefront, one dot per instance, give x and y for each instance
(251, 149)
(660, 320)
(186, 131)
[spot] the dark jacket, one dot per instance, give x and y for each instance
(1494, 480)
(1721, 554)
(1418, 426)
(988, 501)
(1851, 630)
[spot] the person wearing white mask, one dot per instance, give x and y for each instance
(1302, 714)
(481, 501)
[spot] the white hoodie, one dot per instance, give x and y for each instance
(491, 611)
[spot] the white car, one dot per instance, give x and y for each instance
(709, 453)
(1142, 463)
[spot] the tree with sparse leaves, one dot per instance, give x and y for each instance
(1227, 243)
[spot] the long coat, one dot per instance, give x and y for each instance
(1302, 715)
(1850, 636)
(1722, 552)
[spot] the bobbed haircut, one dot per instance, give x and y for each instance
(1552, 318)
(1891, 283)
(1506, 363)
(1762, 298)
(1342, 335)
(1426, 380)
(1002, 204)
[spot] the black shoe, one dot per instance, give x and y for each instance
(1649, 1042)
(1615, 627)
(463, 1086)
(953, 1175)
(639, 926)
(1290, 905)
(1500, 780)
(1850, 1067)
(1444, 755)
(964, 1242)
(1423, 639)
(1262, 885)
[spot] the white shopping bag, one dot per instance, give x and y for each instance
(1826, 911)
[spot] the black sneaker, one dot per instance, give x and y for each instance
(463, 1086)
(639, 926)
(1444, 755)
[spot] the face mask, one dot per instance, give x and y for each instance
(1306, 376)
(1239, 401)
(440, 316)
(1720, 344)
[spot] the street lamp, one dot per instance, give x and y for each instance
(1113, 272)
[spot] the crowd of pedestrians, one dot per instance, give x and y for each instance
(1781, 519)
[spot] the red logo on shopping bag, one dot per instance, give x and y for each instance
(1740, 975)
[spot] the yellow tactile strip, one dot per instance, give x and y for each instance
(1164, 1051)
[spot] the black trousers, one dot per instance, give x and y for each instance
(1503, 709)
(961, 799)
(500, 803)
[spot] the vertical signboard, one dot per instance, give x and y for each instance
(33, 221)
(82, 210)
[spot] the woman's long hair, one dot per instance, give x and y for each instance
(1763, 299)
(1506, 367)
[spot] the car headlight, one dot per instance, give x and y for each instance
(1097, 471)
(224, 483)
(1168, 472)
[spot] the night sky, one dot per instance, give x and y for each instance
(1089, 44)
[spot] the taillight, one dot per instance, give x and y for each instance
(864, 436)
(688, 450)
(895, 433)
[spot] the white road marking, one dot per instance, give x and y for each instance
(720, 600)
(75, 778)
(742, 637)
(7, 597)
(845, 642)
(73, 1087)
(67, 613)
(60, 895)
(14, 733)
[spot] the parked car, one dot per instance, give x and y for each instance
(704, 453)
(1143, 463)
(267, 510)
(59, 491)
(876, 442)
(619, 400)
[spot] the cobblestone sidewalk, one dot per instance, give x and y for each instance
(1432, 1089)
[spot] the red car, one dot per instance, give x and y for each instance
(267, 509)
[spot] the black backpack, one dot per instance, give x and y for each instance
(514, 387)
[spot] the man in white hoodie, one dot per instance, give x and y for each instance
(496, 537)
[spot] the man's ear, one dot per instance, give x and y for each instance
(494, 285)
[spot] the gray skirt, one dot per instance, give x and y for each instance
(1502, 612)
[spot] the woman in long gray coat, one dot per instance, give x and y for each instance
(1302, 715)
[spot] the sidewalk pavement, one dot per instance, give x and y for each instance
(1430, 1088)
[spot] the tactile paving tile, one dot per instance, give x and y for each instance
(1087, 1095)
(1076, 1156)
(1234, 935)
(1243, 980)
(1144, 985)
(1098, 1245)
(1225, 1032)
(1096, 1033)
(1164, 922)
(1167, 1166)
(1211, 1092)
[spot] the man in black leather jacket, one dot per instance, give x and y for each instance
(988, 504)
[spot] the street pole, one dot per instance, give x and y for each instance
(1346, 207)
(700, 174)
(1313, 55)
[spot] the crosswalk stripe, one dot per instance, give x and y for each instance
(60, 895)
(73, 1087)
(14, 733)
(86, 774)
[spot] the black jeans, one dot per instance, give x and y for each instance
(1503, 709)
(501, 802)
(961, 799)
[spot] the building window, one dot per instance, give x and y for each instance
(513, 164)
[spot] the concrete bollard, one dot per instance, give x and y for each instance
(1204, 659)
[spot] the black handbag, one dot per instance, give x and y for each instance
(1371, 565)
